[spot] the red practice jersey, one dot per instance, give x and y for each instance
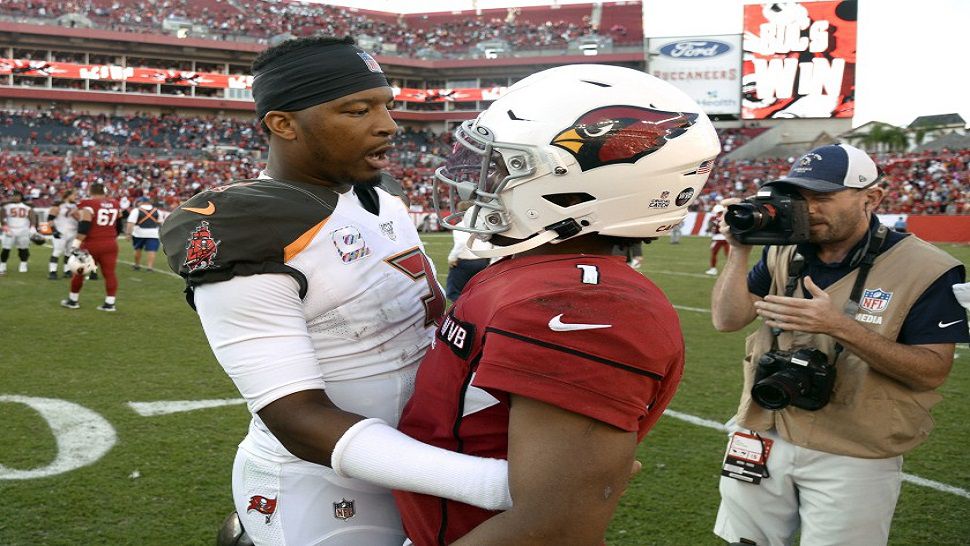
(104, 217)
(585, 333)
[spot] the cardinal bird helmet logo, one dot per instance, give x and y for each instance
(620, 134)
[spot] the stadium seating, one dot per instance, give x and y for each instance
(436, 34)
(170, 158)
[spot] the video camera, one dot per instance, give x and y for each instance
(773, 216)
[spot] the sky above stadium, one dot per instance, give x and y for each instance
(908, 51)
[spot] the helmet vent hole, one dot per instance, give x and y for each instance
(568, 199)
(600, 84)
(584, 223)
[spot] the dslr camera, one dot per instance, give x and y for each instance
(802, 378)
(773, 216)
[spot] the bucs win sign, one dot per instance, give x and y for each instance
(799, 60)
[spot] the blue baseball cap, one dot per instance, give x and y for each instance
(831, 168)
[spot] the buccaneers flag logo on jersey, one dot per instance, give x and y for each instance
(620, 134)
(263, 505)
(201, 249)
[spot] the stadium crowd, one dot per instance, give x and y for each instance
(160, 133)
(438, 33)
(170, 158)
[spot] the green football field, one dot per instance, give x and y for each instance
(96, 449)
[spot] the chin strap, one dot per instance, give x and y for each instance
(562, 230)
(521, 246)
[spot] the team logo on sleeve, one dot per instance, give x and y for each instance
(350, 244)
(344, 509)
(201, 249)
(263, 505)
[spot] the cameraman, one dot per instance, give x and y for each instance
(834, 470)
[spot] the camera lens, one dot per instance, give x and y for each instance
(778, 390)
(744, 217)
(771, 395)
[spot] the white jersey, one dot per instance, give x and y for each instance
(365, 321)
(64, 221)
(16, 217)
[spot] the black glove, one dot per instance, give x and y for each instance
(55, 234)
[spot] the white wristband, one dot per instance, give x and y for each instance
(375, 452)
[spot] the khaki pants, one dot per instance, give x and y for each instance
(834, 499)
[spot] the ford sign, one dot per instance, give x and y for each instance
(694, 49)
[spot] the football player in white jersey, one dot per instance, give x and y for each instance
(19, 224)
(66, 216)
(318, 300)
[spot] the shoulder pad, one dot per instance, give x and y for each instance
(242, 229)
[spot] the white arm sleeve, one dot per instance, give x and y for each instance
(372, 451)
(257, 331)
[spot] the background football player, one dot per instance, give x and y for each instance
(97, 234)
(19, 224)
(558, 357)
(65, 216)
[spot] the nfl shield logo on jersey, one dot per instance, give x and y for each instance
(875, 301)
(387, 228)
(344, 509)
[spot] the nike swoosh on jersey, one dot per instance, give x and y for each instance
(207, 211)
(941, 324)
(557, 325)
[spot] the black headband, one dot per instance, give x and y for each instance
(314, 75)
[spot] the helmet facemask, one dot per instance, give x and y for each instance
(474, 177)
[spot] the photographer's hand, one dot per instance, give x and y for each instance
(817, 315)
(724, 229)
(731, 304)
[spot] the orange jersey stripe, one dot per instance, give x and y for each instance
(302, 241)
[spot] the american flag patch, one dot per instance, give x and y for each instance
(705, 167)
(370, 62)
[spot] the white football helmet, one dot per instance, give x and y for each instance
(81, 263)
(575, 150)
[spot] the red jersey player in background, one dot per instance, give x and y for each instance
(718, 240)
(559, 357)
(97, 234)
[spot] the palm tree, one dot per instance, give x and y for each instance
(885, 137)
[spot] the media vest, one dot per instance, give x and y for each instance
(870, 415)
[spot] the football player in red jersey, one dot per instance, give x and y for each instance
(558, 357)
(97, 234)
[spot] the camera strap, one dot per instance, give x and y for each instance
(852, 305)
(795, 268)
